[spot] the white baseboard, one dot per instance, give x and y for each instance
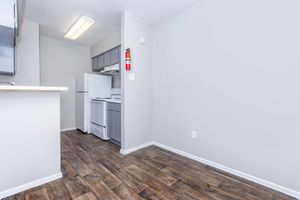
(128, 151)
(260, 181)
(29, 185)
(68, 129)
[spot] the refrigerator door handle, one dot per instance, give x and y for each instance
(84, 92)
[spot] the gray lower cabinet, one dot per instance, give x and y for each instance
(110, 124)
(114, 122)
(117, 127)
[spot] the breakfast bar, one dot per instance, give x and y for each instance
(30, 137)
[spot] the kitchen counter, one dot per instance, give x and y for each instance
(32, 88)
(114, 101)
(30, 137)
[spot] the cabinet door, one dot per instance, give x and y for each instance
(7, 36)
(107, 59)
(117, 126)
(115, 56)
(100, 62)
(7, 60)
(94, 64)
(110, 124)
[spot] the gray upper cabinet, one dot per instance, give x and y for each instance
(100, 62)
(115, 56)
(107, 59)
(94, 63)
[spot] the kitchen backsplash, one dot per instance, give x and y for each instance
(116, 81)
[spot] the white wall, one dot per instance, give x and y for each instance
(27, 56)
(61, 62)
(108, 43)
(230, 70)
(137, 106)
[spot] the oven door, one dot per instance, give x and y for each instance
(98, 113)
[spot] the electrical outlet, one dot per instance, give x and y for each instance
(194, 134)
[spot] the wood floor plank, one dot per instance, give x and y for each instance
(39, 194)
(77, 163)
(154, 184)
(134, 183)
(67, 169)
(57, 190)
(144, 177)
(233, 185)
(87, 196)
(102, 191)
(125, 192)
(168, 180)
(76, 187)
(199, 185)
(109, 179)
(20, 196)
(94, 169)
(188, 190)
(149, 194)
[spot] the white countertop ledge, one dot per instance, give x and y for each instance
(32, 88)
(113, 101)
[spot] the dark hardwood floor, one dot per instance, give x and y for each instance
(94, 169)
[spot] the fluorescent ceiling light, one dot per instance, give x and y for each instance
(79, 27)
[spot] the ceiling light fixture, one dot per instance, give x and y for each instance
(79, 27)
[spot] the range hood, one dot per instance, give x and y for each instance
(111, 70)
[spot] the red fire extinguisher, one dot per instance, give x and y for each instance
(128, 60)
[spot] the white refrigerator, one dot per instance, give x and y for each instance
(88, 87)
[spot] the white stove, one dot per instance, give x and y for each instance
(114, 98)
(99, 113)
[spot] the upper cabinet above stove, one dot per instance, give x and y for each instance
(108, 60)
(115, 56)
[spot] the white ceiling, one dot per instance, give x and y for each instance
(56, 16)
